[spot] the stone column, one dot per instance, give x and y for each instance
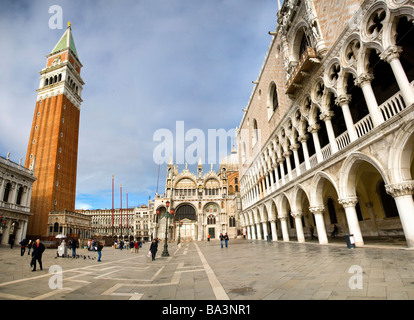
(285, 232)
(326, 116)
(314, 128)
(403, 196)
(298, 223)
(288, 164)
(253, 232)
(258, 231)
(392, 56)
(2, 186)
(364, 82)
(294, 148)
(320, 223)
(265, 231)
(272, 180)
(274, 230)
(6, 232)
(277, 176)
(352, 219)
(303, 140)
(282, 170)
(249, 235)
(343, 101)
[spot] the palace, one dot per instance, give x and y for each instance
(204, 203)
(327, 137)
(16, 183)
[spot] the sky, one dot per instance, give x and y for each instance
(150, 67)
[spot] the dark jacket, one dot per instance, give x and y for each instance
(154, 247)
(38, 250)
(99, 247)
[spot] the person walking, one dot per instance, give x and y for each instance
(38, 249)
(23, 245)
(312, 230)
(136, 246)
(11, 241)
(154, 248)
(221, 240)
(208, 237)
(75, 244)
(99, 250)
(226, 239)
(29, 247)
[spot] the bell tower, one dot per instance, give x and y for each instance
(53, 142)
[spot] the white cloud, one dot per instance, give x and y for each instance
(147, 64)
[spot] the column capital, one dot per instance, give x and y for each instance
(348, 202)
(294, 147)
(343, 99)
(364, 78)
(313, 128)
(287, 154)
(303, 138)
(296, 214)
(326, 115)
(282, 218)
(391, 53)
(405, 188)
(317, 209)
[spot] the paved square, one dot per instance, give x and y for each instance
(246, 270)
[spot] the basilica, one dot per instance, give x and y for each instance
(201, 205)
(327, 138)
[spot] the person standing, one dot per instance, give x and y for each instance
(75, 245)
(226, 239)
(38, 249)
(136, 245)
(312, 230)
(29, 247)
(11, 241)
(23, 245)
(99, 250)
(154, 248)
(221, 240)
(208, 237)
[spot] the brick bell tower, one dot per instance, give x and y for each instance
(53, 145)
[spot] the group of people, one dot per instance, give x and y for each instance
(224, 238)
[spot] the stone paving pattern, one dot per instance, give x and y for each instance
(246, 270)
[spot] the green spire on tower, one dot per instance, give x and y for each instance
(65, 42)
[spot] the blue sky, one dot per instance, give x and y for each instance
(146, 65)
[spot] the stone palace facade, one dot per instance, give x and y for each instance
(327, 137)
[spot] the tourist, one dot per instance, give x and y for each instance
(334, 232)
(136, 246)
(99, 249)
(29, 247)
(154, 248)
(226, 239)
(221, 239)
(38, 249)
(23, 245)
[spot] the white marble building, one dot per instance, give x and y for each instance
(16, 184)
(327, 137)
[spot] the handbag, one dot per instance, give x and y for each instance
(149, 254)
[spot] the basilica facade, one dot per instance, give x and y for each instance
(327, 137)
(201, 205)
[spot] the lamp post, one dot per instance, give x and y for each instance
(169, 213)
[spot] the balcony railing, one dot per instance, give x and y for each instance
(390, 108)
(303, 66)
